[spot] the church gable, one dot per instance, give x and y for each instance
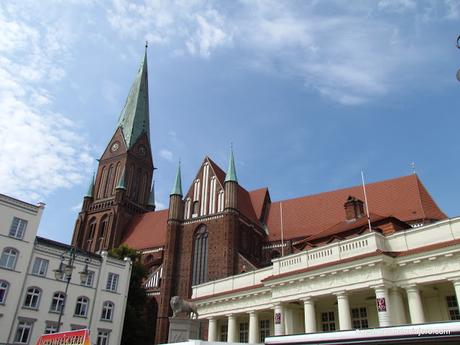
(116, 147)
(206, 194)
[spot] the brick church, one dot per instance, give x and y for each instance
(217, 228)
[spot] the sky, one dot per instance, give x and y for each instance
(309, 92)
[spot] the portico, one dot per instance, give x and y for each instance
(374, 289)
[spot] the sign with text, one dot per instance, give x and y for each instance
(381, 304)
(79, 337)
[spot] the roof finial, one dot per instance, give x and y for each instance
(412, 165)
(146, 44)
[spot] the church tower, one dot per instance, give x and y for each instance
(122, 186)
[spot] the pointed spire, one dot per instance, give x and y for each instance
(90, 191)
(231, 171)
(177, 188)
(121, 183)
(151, 201)
(134, 119)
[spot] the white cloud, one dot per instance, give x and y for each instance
(398, 6)
(166, 154)
(41, 150)
(196, 23)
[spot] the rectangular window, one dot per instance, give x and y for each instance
(40, 267)
(264, 329)
(23, 332)
(328, 321)
(102, 337)
(359, 318)
(18, 228)
(223, 333)
(89, 279)
(51, 327)
(112, 282)
(452, 307)
(244, 332)
(77, 327)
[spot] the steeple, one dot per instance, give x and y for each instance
(90, 192)
(177, 188)
(134, 119)
(231, 171)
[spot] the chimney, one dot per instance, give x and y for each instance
(354, 208)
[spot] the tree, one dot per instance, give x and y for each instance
(139, 316)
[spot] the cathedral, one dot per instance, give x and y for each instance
(216, 228)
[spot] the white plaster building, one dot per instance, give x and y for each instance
(369, 280)
(30, 295)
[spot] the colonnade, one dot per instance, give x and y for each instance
(389, 303)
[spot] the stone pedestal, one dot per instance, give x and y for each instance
(183, 330)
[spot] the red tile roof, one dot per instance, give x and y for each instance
(147, 230)
(404, 198)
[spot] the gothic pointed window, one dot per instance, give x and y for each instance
(102, 233)
(90, 238)
(108, 184)
(102, 182)
(200, 256)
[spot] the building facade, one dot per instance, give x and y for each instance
(369, 280)
(216, 228)
(31, 297)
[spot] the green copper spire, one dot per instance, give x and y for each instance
(90, 191)
(151, 201)
(177, 188)
(134, 119)
(121, 183)
(231, 171)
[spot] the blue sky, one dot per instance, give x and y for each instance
(309, 92)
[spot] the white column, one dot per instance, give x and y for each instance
(397, 312)
(278, 317)
(254, 329)
(212, 329)
(415, 304)
(232, 335)
(310, 315)
(457, 289)
(382, 301)
(344, 311)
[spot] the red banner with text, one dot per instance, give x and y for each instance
(80, 337)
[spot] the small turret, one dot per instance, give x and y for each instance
(89, 196)
(151, 201)
(231, 185)
(120, 189)
(175, 199)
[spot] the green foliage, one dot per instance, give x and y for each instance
(139, 316)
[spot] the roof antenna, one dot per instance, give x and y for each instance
(412, 165)
(365, 200)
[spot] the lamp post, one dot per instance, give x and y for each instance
(65, 271)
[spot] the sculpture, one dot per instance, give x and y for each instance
(180, 305)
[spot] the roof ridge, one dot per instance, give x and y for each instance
(343, 189)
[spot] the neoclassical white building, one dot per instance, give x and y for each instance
(31, 297)
(367, 280)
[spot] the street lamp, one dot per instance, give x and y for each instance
(458, 46)
(65, 272)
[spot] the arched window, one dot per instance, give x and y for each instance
(116, 178)
(8, 259)
(102, 182)
(57, 303)
(81, 308)
(108, 184)
(32, 298)
(107, 311)
(3, 291)
(102, 233)
(91, 231)
(200, 256)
